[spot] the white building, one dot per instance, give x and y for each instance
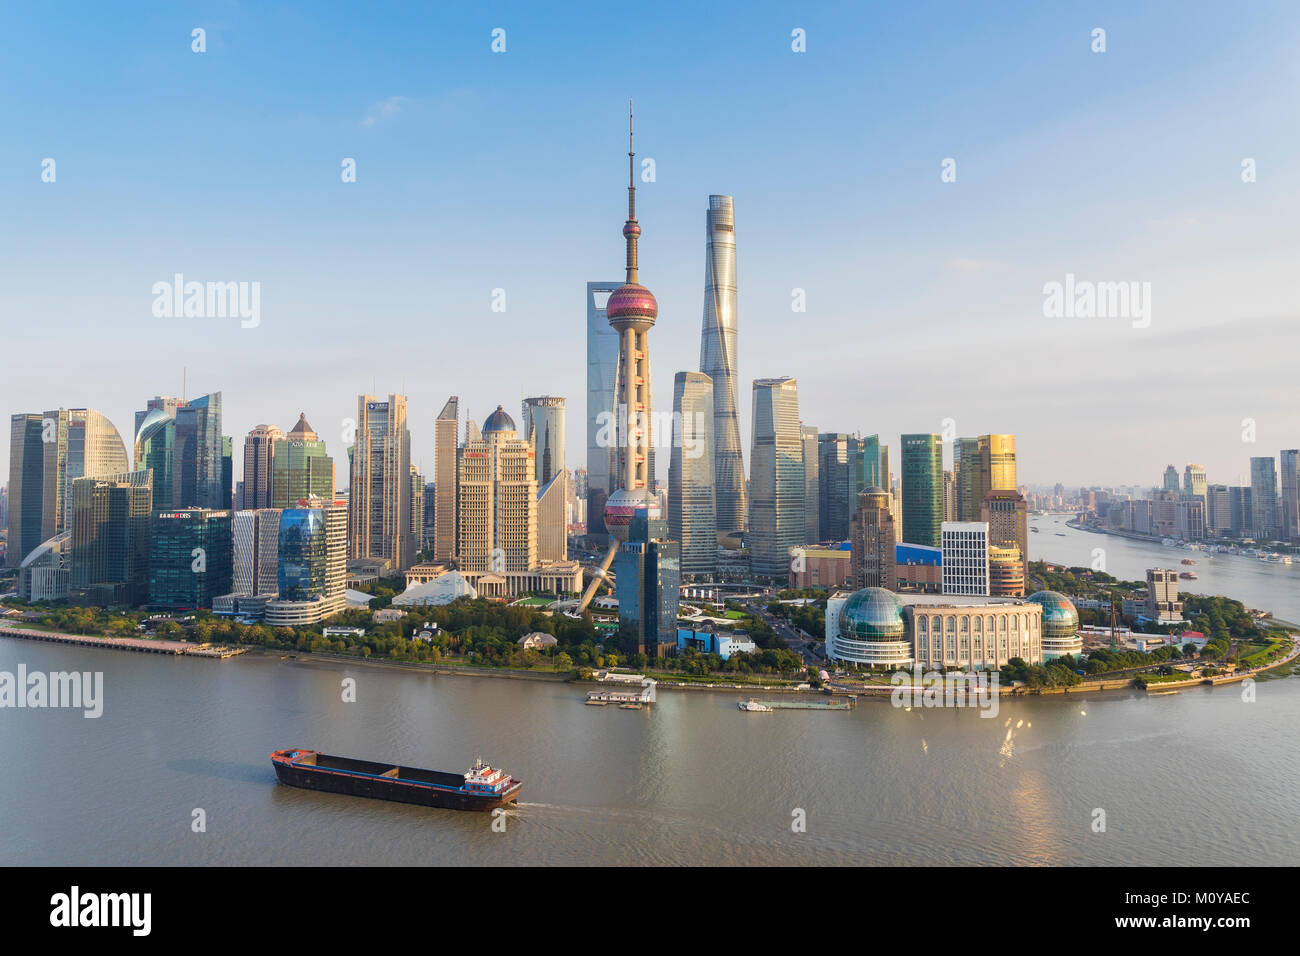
(965, 567)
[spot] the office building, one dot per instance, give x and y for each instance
(379, 497)
(648, 583)
(1006, 513)
(446, 448)
(109, 557)
(312, 571)
(811, 484)
(543, 425)
(603, 387)
(181, 441)
(922, 489)
(718, 360)
(965, 566)
(497, 506)
(78, 443)
(872, 541)
(1263, 492)
(691, 501)
(190, 560)
(259, 449)
(255, 551)
(1171, 478)
(26, 487)
(1162, 604)
(300, 468)
(776, 523)
(1289, 499)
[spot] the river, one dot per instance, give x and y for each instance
(1199, 777)
(1257, 584)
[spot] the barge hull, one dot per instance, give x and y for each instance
(428, 788)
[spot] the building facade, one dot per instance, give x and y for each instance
(692, 521)
(190, 560)
(497, 506)
(922, 489)
(776, 524)
(543, 425)
(965, 562)
(379, 496)
(446, 448)
(873, 542)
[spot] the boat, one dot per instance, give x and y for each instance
(1060, 534)
(630, 705)
(479, 788)
(1188, 561)
(1034, 530)
(1188, 575)
(754, 707)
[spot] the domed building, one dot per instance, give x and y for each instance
(1060, 625)
(499, 421)
(868, 628)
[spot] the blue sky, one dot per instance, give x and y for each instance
(478, 171)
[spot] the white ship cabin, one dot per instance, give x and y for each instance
(481, 778)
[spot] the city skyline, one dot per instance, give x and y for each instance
(334, 258)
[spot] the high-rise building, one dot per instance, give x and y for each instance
(1289, 500)
(417, 509)
(300, 468)
(839, 469)
(189, 558)
(691, 501)
(312, 570)
(255, 551)
(922, 489)
(1218, 510)
(78, 443)
(648, 583)
(776, 517)
(873, 542)
(379, 497)
(1194, 481)
(259, 451)
(1189, 519)
(446, 444)
(1162, 604)
(227, 470)
(718, 360)
(553, 505)
(1007, 514)
(983, 464)
(871, 474)
(998, 460)
(497, 507)
(543, 425)
(603, 387)
(949, 496)
(110, 539)
(1263, 492)
(26, 487)
(965, 561)
(1241, 507)
(1171, 478)
(812, 484)
(181, 441)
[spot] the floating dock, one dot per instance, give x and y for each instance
(642, 694)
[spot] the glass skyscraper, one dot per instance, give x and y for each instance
(26, 486)
(110, 539)
(543, 422)
(300, 468)
(692, 520)
(922, 489)
(190, 559)
(776, 506)
(718, 361)
(182, 442)
(1263, 491)
(1289, 510)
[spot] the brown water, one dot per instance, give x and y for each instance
(1193, 778)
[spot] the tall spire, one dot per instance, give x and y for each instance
(631, 230)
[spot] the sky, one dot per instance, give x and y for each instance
(479, 170)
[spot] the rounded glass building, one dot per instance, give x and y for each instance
(1060, 625)
(868, 628)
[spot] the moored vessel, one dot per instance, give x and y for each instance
(479, 788)
(754, 707)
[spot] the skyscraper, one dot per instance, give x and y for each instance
(543, 425)
(417, 510)
(1263, 492)
(259, 450)
(718, 360)
(872, 542)
(300, 468)
(1171, 478)
(922, 489)
(983, 464)
(871, 474)
(379, 496)
(1007, 514)
(26, 486)
(812, 484)
(189, 558)
(692, 521)
(182, 442)
(776, 518)
(446, 442)
(965, 562)
(1194, 481)
(255, 551)
(110, 539)
(1289, 500)
(497, 508)
(312, 570)
(78, 443)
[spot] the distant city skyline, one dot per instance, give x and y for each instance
(479, 171)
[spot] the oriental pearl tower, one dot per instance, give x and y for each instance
(631, 310)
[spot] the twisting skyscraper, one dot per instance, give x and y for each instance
(718, 361)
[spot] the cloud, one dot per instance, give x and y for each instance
(384, 109)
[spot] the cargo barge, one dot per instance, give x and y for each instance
(480, 788)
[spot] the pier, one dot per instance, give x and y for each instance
(810, 704)
(641, 693)
(138, 644)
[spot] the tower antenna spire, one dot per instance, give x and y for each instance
(631, 231)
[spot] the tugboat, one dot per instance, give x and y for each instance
(754, 707)
(479, 788)
(1188, 575)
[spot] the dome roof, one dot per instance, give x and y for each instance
(499, 421)
(872, 614)
(631, 301)
(623, 505)
(1058, 612)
